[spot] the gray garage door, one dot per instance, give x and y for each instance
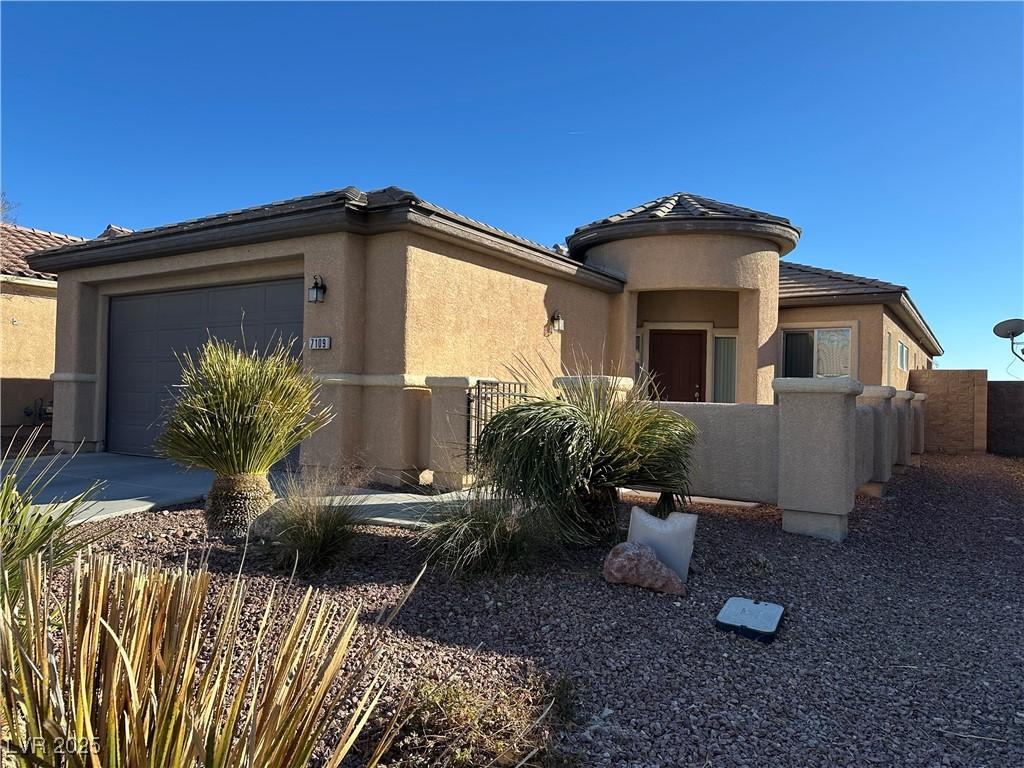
(147, 330)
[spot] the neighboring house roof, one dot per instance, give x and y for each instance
(113, 230)
(339, 210)
(17, 242)
(804, 286)
(683, 212)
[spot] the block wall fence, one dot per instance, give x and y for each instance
(957, 409)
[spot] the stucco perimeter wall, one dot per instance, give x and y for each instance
(747, 265)
(737, 451)
(956, 409)
(28, 316)
(474, 314)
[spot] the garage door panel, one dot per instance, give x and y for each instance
(146, 331)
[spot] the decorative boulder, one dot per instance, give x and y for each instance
(671, 538)
(636, 564)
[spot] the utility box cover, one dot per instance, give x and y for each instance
(750, 618)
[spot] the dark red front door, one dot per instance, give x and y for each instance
(677, 361)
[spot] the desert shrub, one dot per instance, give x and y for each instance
(568, 455)
(311, 527)
(150, 668)
(458, 724)
(239, 412)
(27, 528)
(481, 533)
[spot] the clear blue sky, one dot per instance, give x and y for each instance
(891, 133)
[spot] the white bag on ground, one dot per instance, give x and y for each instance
(671, 539)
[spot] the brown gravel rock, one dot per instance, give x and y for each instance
(902, 646)
(639, 566)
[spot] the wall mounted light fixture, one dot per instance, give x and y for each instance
(317, 290)
(557, 322)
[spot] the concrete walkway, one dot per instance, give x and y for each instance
(129, 484)
(133, 484)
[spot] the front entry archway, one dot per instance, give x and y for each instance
(677, 360)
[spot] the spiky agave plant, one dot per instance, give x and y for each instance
(27, 527)
(569, 455)
(239, 412)
(147, 669)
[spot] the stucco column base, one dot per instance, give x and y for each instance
(818, 525)
(899, 469)
(904, 427)
(917, 411)
(817, 454)
(880, 399)
(915, 461)
(872, 489)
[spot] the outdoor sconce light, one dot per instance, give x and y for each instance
(557, 322)
(317, 290)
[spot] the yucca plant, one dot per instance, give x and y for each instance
(27, 527)
(239, 412)
(570, 454)
(147, 669)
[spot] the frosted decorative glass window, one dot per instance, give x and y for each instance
(832, 352)
(821, 353)
(904, 356)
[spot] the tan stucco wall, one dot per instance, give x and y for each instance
(917, 358)
(746, 265)
(471, 314)
(28, 315)
(720, 308)
(870, 323)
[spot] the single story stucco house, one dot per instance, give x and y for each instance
(420, 303)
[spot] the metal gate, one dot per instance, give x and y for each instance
(483, 401)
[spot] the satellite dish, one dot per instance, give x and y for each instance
(1009, 329)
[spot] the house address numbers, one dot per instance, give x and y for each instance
(319, 342)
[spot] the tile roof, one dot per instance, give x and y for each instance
(683, 205)
(682, 213)
(799, 281)
(347, 198)
(17, 242)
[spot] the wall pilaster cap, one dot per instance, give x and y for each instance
(615, 383)
(879, 393)
(838, 385)
(904, 394)
(920, 396)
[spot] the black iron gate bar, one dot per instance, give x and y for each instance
(484, 400)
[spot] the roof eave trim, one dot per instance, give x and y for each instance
(899, 299)
(786, 237)
(175, 243)
(35, 282)
(428, 220)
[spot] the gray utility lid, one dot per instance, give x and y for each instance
(750, 618)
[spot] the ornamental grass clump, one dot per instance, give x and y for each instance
(27, 528)
(569, 454)
(147, 667)
(312, 526)
(238, 413)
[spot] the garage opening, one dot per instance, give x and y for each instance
(146, 330)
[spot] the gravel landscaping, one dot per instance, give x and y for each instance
(902, 646)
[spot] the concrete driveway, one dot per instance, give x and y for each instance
(130, 483)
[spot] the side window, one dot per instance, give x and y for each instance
(904, 356)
